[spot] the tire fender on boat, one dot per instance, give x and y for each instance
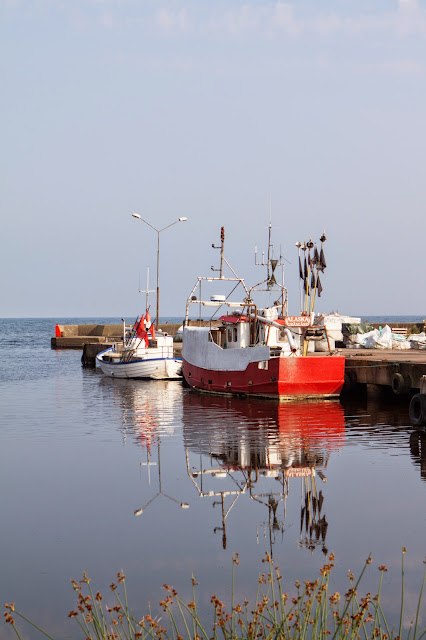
(417, 410)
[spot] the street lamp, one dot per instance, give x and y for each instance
(158, 231)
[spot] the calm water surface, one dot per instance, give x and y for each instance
(100, 475)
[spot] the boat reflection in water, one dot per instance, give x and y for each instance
(257, 448)
(149, 413)
(148, 410)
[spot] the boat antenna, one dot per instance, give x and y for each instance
(222, 243)
(147, 290)
(301, 278)
(271, 263)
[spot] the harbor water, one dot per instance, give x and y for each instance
(100, 475)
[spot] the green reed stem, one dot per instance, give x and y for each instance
(180, 607)
(35, 626)
(402, 592)
(272, 581)
(194, 629)
(419, 603)
(16, 631)
(367, 562)
(383, 620)
(377, 610)
(99, 620)
(234, 561)
(173, 625)
(130, 627)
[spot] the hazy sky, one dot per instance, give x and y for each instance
(224, 112)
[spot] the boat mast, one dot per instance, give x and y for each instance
(269, 248)
(147, 290)
(222, 243)
(271, 264)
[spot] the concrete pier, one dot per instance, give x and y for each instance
(399, 370)
(94, 338)
(75, 336)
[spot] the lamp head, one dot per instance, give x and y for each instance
(136, 215)
(183, 219)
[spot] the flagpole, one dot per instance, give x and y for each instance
(298, 245)
(320, 266)
(309, 244)
(315, 289)
(305, 277)
(307, 273)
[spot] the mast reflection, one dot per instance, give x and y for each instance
(257, 448)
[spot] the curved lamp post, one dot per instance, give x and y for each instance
(158, 231)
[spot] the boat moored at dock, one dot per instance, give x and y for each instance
(144, 353)
(259, 351)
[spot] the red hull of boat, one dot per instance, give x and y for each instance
(303, 377)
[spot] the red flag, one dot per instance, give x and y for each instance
(141, 333)
(149, 325)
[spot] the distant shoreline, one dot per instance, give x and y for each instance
(375, 319)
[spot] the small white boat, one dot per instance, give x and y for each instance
(141, 355)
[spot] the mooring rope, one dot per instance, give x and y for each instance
(384, 364)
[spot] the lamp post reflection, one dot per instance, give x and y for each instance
(160, 492)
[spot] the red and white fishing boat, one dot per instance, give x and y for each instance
(260, 351)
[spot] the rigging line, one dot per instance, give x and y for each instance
(224, 304)
(242, 489)
(232, 504)
(241, 281)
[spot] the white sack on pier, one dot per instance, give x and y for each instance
(380, 339)
(418, 340)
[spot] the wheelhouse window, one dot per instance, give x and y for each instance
(232, 334)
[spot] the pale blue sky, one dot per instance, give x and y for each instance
(210, 110)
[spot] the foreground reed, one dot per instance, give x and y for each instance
(311, 613)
